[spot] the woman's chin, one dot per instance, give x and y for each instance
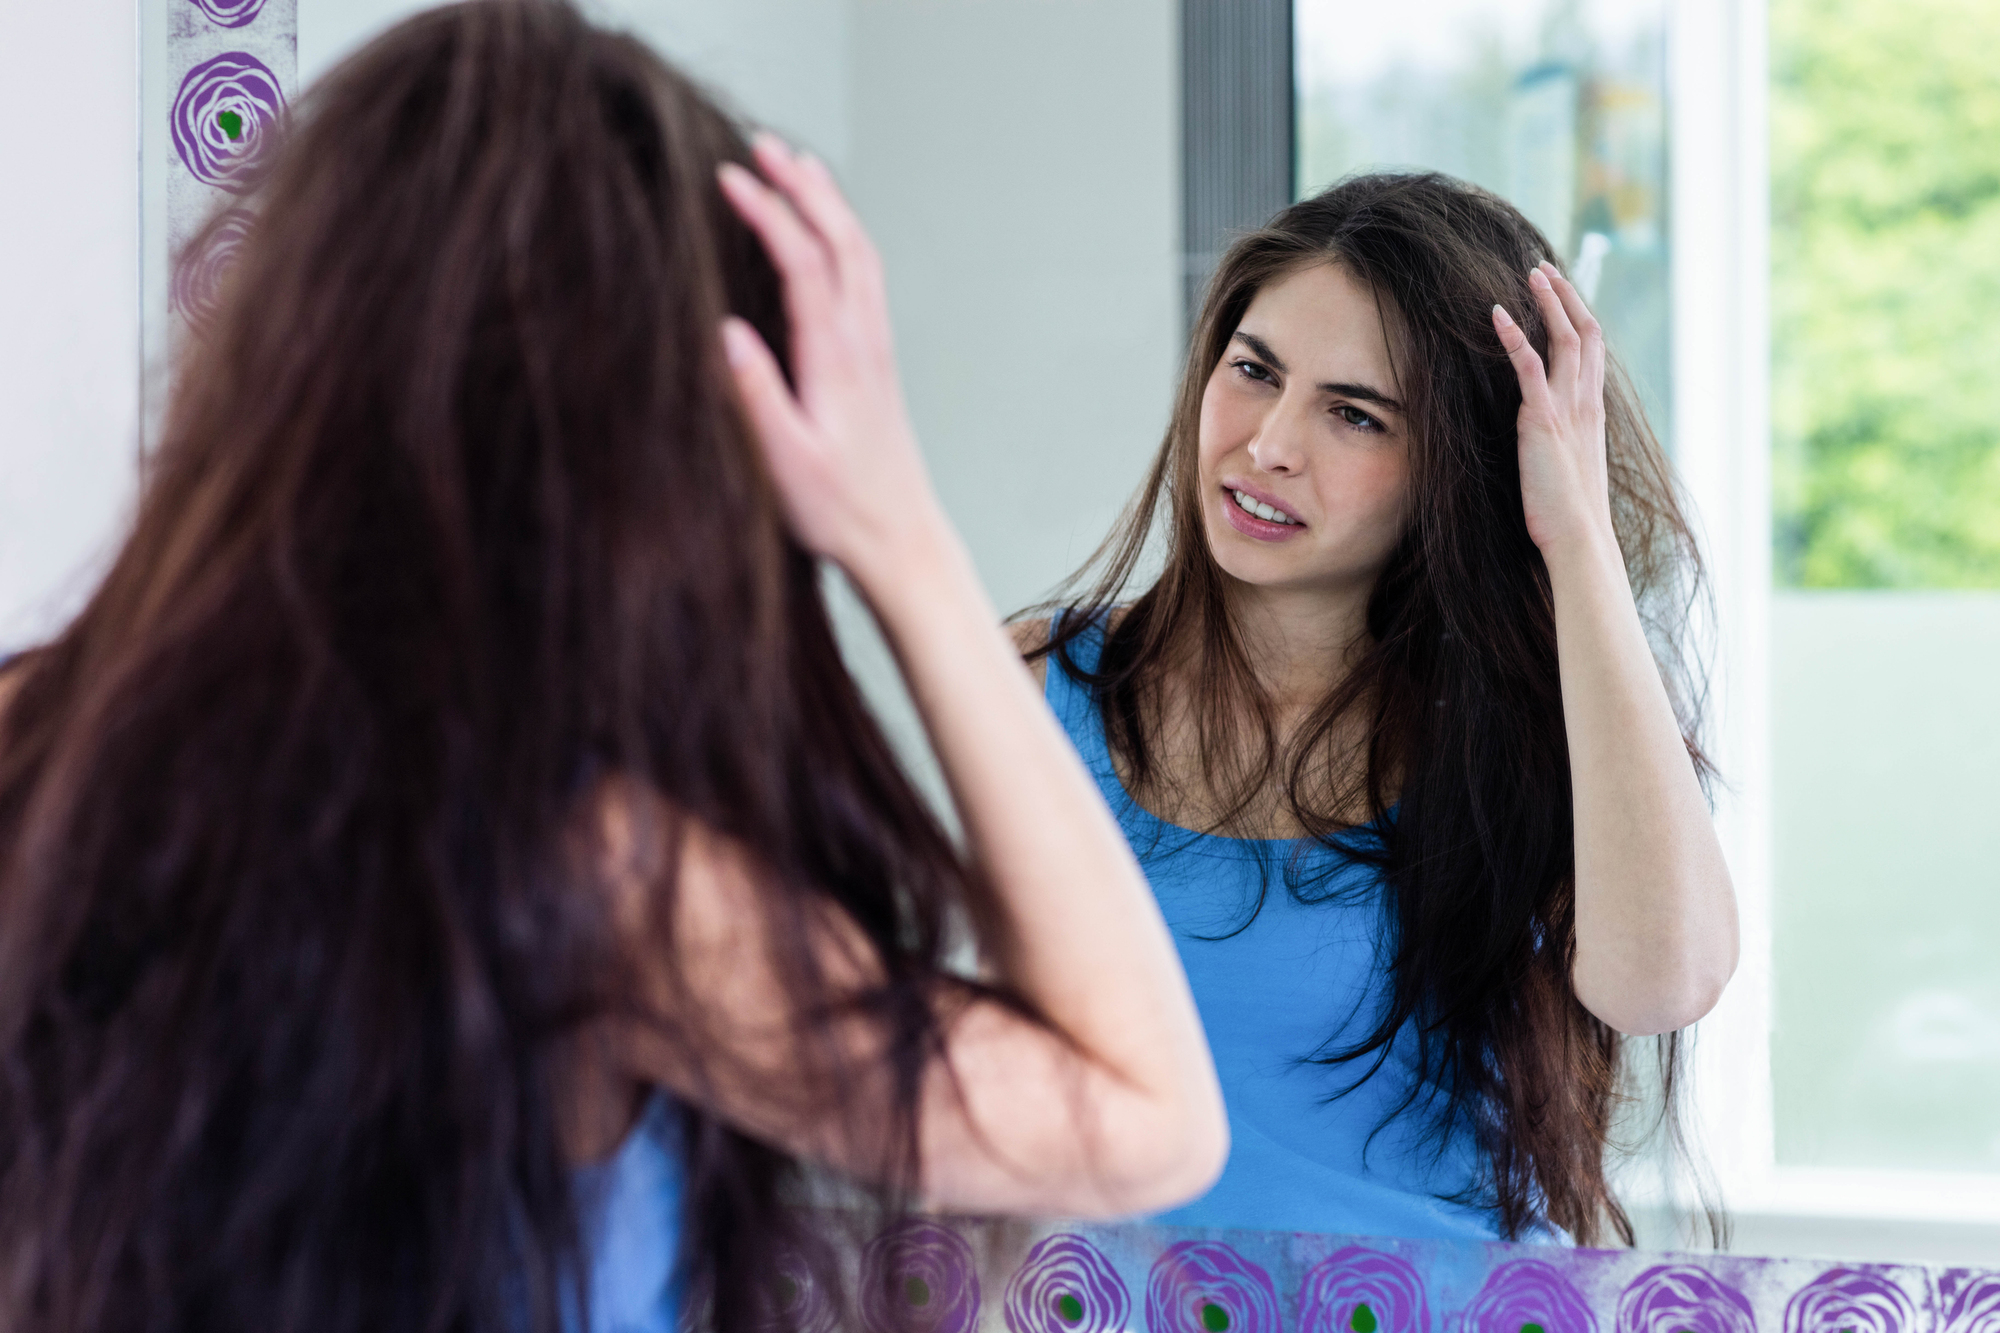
(1257, 565)
(1287, 567)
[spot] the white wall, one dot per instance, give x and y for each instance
(784, 62)
(1018, 163)
(69, 307)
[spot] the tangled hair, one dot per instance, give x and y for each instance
(1463, 761)
(454, 522)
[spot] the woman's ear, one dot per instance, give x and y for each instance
(627, 824)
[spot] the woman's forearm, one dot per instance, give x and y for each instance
(1656, 929)
(1655, 913)
(1118, 1109)
(1080, 934)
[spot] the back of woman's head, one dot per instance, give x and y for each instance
(454, 523)
(1456, 697)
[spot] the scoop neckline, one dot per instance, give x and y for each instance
(1111, 780)
(1219, 841)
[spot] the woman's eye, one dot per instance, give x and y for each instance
(1251, 370)
(1356, 418)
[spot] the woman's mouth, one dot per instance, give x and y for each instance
(1252, 505)
(1255, 518)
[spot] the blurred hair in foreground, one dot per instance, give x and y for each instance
(454, 525)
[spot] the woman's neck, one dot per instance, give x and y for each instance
(1301, 642)
(1301, 646)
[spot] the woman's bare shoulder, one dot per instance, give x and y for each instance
(1028, 635)
(1031, 633)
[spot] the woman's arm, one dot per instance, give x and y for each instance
(1118, 1109)
(1656, 931)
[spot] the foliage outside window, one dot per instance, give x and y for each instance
(1885, 192)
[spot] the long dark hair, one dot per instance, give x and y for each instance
(453, 523)
(1455, 698)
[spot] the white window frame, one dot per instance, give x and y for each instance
(1718, 84)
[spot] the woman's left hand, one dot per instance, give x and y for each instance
(1564, 491)
(1655, 913)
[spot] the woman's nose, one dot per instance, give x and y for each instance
(1277, 446)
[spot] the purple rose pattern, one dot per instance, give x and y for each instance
(1066, 1285)
(1680, 1298)
(1528, 1296)
(197, 281)
(1201, 1286)
(1849, 1300)
(222, 113)
(1974, 1307)
(1354, 1290)
(917, 1277)
(803, 1301)
(230, 13)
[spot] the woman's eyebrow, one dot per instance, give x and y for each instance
(1261, 348)
(1363, 391)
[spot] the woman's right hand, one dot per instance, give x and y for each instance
(837, 439)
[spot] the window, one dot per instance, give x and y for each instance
(1885, 638)
(1791, 220)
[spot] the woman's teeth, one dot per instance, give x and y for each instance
(1249, 505)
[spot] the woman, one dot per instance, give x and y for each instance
(447, 880)
(1389, 732)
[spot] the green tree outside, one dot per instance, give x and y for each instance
(1885, 137)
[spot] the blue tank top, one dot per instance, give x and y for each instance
(1278, 981)
(631, 1208)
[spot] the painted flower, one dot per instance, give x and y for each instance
(1201, 1286)
(1354, 1290)
(224, 111)
(1850, 1300)
(918, 1277)
(1529, 1296)
(1066, 1285)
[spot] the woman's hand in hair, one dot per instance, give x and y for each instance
(1107, 1102)
(837, 439)
(1564, 488)
(1656, 927)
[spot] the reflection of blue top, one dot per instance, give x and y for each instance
(631, 1209)
(1273, 992)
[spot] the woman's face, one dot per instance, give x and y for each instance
(1302, 419)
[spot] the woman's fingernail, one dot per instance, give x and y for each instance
(1537, 278)
(733, 346)
(1501, 311)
